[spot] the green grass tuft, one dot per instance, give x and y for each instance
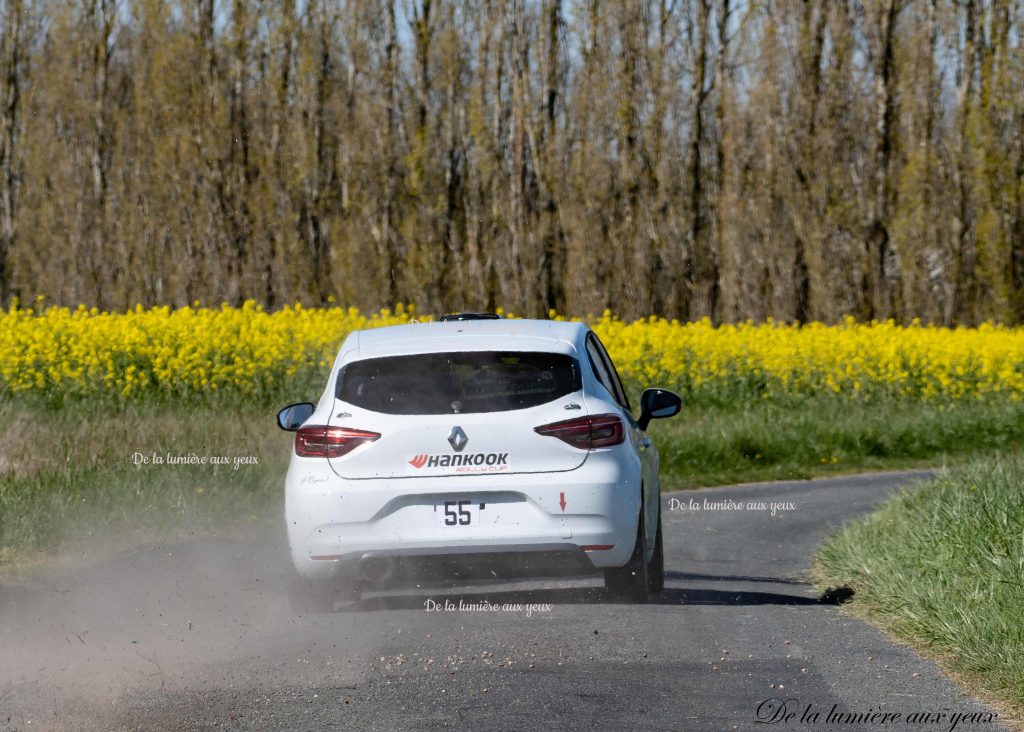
(942, 565)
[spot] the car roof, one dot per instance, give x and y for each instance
(505, 334)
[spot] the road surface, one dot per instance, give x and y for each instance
(199, 636)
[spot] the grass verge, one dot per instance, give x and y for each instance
(67, 473)
(70, 481)
(764, 440)
(941, 567)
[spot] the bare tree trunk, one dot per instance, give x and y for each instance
(1017, 232)
(498, 234)
(658, 265)
(930, 250)
(204, 261)
(450, 274)
(723, 82)
(1017, 223)
(631, 240)
(553, 237)
(810, 279)
(387, 244)
(703, 275)
(13, 56)
(320, 176)
(103, 15)
(421, 173)
(237, 173)
(997, 138)
(964, 255)
(883, 263)
(276, 243)
(480, 151)
(521, 178)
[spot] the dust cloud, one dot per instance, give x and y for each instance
(80, 645)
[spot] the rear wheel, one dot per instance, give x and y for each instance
(656, 567)
(630, 582)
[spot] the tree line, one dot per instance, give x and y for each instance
(794, 159)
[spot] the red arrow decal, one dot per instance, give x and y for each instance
(561, 501)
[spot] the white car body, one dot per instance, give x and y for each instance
(529, 501)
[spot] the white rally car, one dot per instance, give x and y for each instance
(473, 447)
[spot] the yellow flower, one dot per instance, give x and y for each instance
(248, 351)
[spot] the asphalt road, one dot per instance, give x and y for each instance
(199, 636)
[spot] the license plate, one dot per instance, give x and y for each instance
(458, 513)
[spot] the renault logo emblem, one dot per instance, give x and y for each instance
(457, 439)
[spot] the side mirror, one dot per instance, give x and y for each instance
(658, 404)
(292, 417)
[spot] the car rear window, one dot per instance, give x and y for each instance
(458, 382)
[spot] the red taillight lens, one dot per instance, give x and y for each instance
(586, 433)
(330, 442)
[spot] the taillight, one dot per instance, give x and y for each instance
(586, 433)
(330, 442)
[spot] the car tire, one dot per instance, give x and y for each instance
(656, 567)
(629, 582)
(307, 597)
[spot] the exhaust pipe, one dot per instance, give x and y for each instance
(376, 569)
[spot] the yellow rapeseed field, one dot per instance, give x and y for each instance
(249, 352)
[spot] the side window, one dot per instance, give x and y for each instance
(617, 388)
(598, 365)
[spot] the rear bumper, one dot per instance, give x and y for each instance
(335, 525)
(406, 566)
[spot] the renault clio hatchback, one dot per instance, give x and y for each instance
(475, 447)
